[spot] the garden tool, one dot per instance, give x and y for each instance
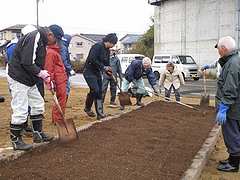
(124, 98)
(204, 96)
(66, 128)
(181, 103)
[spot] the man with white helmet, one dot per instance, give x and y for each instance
(134, 74)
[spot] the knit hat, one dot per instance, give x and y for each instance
(112, 38)
(170, 63)
(57, 32)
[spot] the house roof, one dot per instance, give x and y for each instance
(15, 27)
(130, 38)
(95, 37)
(83, 37)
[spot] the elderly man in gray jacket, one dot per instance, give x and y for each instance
(227, 102)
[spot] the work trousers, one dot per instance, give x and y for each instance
(113, 89)
(94, 81)
(139, 83)
(22, 97)
(231, 136)
(61, 96)
(176, 92)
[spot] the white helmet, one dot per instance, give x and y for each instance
(27, 29)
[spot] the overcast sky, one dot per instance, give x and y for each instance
(81, 16)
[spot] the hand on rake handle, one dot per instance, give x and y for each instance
(108, 70)
(50, 85)
(156, 91)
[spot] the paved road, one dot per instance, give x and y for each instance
(191, 88)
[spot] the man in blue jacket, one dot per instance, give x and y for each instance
(67, 62)
(134, 74)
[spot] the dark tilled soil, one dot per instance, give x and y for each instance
(155, 142)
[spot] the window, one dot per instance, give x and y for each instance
(187, 60)
(161, 59)
(79, 44)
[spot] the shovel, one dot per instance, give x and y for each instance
(204, 112)
(204, 96)
(124, 98)
(66, 128)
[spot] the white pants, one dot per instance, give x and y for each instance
(22, 97)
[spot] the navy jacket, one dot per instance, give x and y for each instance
(28, 58)
(65, 54)
(98, 57)
(136, 71)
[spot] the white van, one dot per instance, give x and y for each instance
(185, 63)
(126, 59)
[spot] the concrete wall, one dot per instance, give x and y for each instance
(193, 27)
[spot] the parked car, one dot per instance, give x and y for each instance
(126, 59)
(185, 63)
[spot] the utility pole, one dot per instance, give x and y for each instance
(37, 13)
(237, 29)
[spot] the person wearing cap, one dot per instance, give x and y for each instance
(67, 63)
(55, 67)
(227, 102)
(116, 72)
(172, 78)
(134, 73)
(96, 63)
(25, 30)
(25, 68)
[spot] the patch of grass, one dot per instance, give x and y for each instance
(3, 61)
(78, 66)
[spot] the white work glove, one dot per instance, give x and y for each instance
(44, 75)
(72, 72)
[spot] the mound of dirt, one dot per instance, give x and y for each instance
(158, 141)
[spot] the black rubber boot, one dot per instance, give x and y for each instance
(225, 161)
(99, 109)
(139, 99)
(121, 107)
(26, 127)
(38, 134)
(88, 106)
(16, 138)
(231, 166)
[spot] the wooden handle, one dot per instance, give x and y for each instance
(204, 81)
(114, 79)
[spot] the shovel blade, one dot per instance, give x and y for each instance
(204, 99)
(124, 98)
(67, 131)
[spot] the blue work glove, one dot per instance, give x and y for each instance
(205, 67)
(222, 114)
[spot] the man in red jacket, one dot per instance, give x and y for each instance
(55, 67)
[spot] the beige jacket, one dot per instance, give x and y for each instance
(176, 78)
